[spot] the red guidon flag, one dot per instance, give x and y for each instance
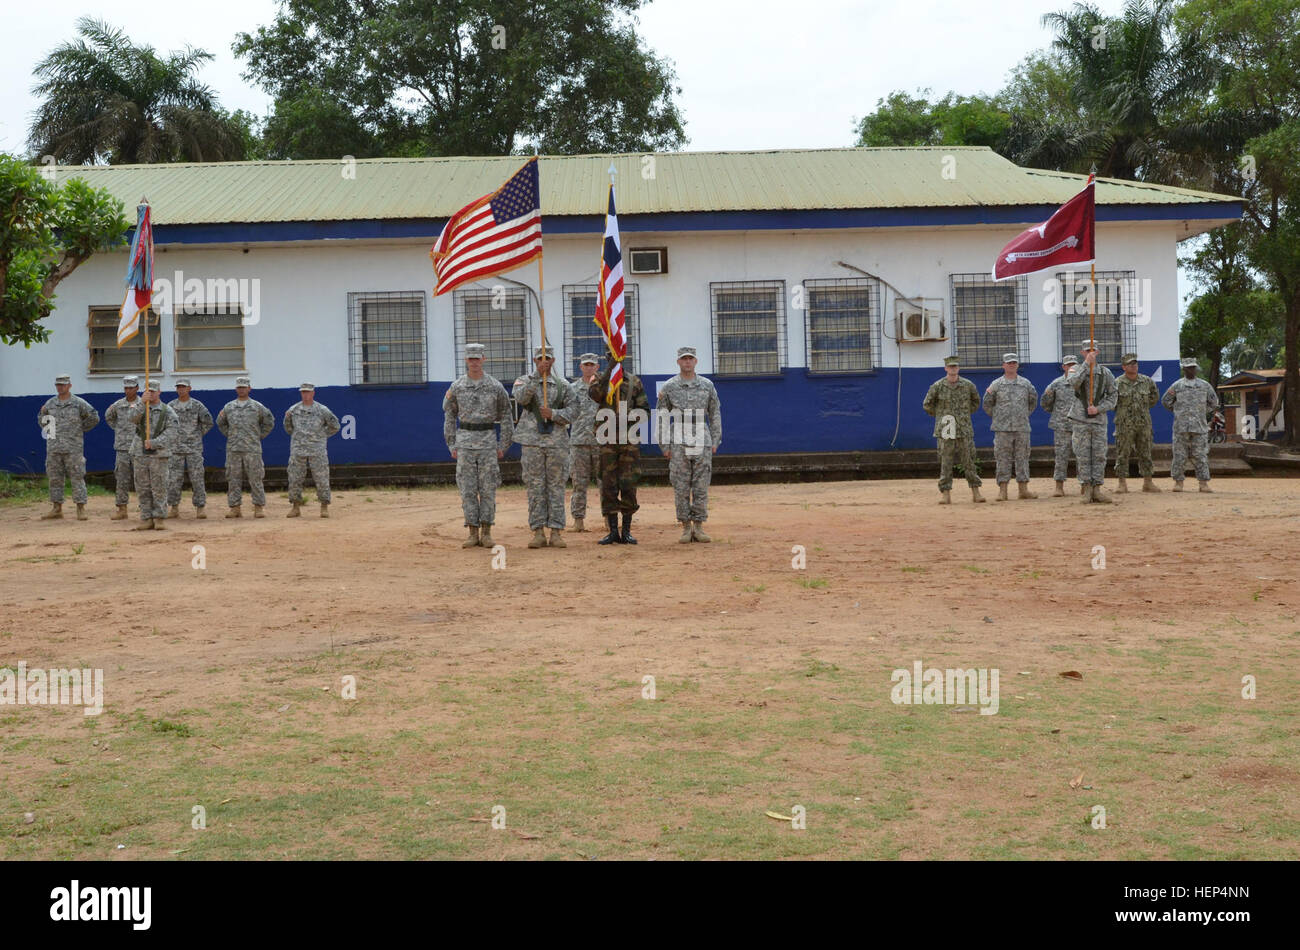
(491, 235)
(1067, 237)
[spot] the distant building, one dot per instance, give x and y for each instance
(767, 262)
(1257, 394)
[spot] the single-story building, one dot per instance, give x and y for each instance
(822, 288)
(1255, 394)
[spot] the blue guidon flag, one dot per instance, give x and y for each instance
(611, 311)
(491, 235)
(139, 276)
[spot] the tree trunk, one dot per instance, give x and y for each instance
(1291, 385)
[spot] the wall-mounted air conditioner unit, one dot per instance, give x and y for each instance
(919, 322)
(648, 260)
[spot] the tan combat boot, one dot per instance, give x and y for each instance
(578, 525)
(975, 495)
(686, 533)
(201, 513)
(295, 511)
(945, 498)
(485, 535)
(471, 541)
(324, 509)
(1083, 490)
(144, 525)
(1024, 490)
(1122, 487)
(1178, 485)
(259, 511)
(1002, 491)
(159, 524)
(235, 512)
(698, 532)
(557, 539)
(1060, 490)
(81, 510)
(1100, 498)
(174, 511)
(1148, 484)
(539, 539)
(1205, 486)
(121, 514)
(56, 511)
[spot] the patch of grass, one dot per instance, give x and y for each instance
(911, 569)
(32, 489)
(976, 569)
(754, 588)
(813, 583)
(78, 548)
(178, 728)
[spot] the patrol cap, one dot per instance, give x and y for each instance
(685, 351)
(1070, 360)
(63, 378)
(951, 361)
(1010, 358)
(543, 352)
(588, 358)
(155, 386)
(130, 381)
(243, 381)
(183, 381)
(1128, 358)
(1187, 361)
(307, 388)
(1087, 345)
(475, 351)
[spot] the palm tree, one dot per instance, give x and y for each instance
(106, 99)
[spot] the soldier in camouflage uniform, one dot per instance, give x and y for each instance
(64, 420)
(479, 403)
(123, 433)
(309, 424)
(151, 449)
(952, 401)
(195, 422)
(1088, 422)
(1136, 394)
(543, 433)
(620, 449)
(691, 444)
(1009, 400)
(1191, 400)
(244, 422)
(584, 456)
(1058, 399)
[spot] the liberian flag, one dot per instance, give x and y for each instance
(491, 235)
(611, 310)
(1067, 237)
(139, 277)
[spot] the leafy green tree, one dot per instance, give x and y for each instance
(49, 231)
(903, 120)
(461, 77)
(107, 100)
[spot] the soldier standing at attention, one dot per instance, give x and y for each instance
(309, 424)
(690, 464)
(952, 401)
(620, 452)
(194, 423)
(123, 433)
(478, 402)
(543, 433)
(1058, 399)
(1088, 422)
(1009, 400)
(1191, 400)
(244, 422)
(584, 457)
(64, 420)
(155, 438)
(1136, 394)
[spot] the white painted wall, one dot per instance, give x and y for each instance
(302, 328)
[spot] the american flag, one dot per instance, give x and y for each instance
(611, 314)
(139, 277)
(491, 235)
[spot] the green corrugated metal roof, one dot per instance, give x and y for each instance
(394, 188)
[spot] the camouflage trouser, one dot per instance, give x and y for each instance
(123, 476)
(1133, 441)
(1090, 453)
(319, 464)
(1196, 444)
(960, 452)
(65, 465)
(1061, 447)
(478, 473)
(193, 461)
(584, 465)
(690, 476)
(620, 469)
(239, 464)
(545, 468)
(1011, 450)
(151, 485)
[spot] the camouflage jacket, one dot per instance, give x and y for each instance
(309, 427)
(245, 424)
(561, 398)
(582, 431)
(631, 395)
(123, 431)
(65, 424)
(697, 396)
(958, 400)
(479, 402)
(1104, 394)
(1191, 401)
(164, 428)
(195, 423)
(1009, 402)
(1058, 399)
(1133, 403)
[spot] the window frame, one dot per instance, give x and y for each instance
(722, 288)
(357, 341)
(872, 329)
(1019, 342)
(632, 305)
(152, 320)
(1125, 282)
(459, 299)
(235, 312)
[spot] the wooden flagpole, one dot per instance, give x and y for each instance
(541, 310)
(148, 430)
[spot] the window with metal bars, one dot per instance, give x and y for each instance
(989, 319)
(501, 320)
(581, 335)
(209, 338)
(387, 339)
(1115, 317)
(107, 357)
(841, 325)
(748, 320)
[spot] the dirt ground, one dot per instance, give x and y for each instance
(524, 687)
